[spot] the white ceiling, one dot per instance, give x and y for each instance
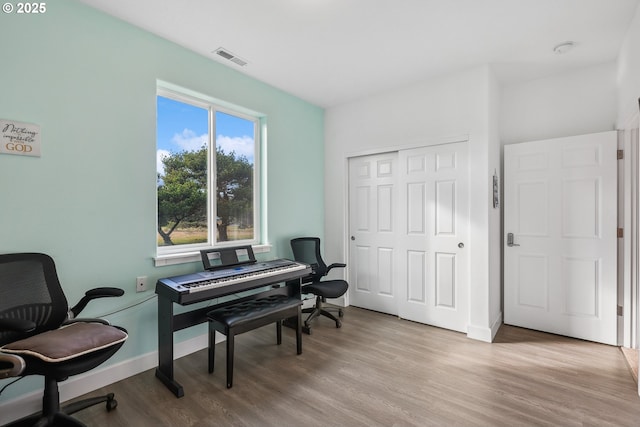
(329, 52)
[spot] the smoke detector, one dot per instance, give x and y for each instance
(224, 53)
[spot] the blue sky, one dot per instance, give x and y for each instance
(182, 127)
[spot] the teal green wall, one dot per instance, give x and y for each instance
(89, 81)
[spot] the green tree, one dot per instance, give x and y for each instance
(182, 192)
(234, 182)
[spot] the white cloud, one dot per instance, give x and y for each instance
(189, 141)
(242, 146)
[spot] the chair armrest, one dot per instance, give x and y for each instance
(17, 325)
(94, 294)
(11, 365)
(336, 265)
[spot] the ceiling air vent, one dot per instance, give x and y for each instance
(230, 56)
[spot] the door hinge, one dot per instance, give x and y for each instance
(620, 154)
(620, 233)
(620, 312)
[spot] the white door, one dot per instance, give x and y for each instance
(433, 235)
(372, 223)
(560, 201)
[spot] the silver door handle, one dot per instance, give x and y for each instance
(510, 240)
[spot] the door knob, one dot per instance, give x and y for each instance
(353, 238)
(461, 245)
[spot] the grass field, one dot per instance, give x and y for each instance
(187, 236)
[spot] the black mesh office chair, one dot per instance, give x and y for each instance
(307, 250)
(39, 334)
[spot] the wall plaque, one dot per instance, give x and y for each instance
(19, 138)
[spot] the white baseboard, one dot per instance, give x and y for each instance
(81, 384)
(496, 326)
(482, 333)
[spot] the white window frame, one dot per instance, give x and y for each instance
(167, 255)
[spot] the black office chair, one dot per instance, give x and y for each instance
(39, 334)
(307, 250)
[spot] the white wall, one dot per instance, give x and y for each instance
(572, 103)
(495, 214)
(628, 77)
(442, 109)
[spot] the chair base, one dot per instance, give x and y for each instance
(108, 399)
(54, 416)
(321, 309)
(58, 419)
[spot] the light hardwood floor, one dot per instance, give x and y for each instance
(378, 370)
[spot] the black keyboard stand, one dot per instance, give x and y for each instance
(168, 322)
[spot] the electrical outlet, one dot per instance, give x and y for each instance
(141, 284)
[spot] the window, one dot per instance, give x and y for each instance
(207, 182)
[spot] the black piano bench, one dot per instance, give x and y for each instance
(236, 319)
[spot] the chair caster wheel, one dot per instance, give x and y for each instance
(111, 404)
(338, 324)
(340, 313)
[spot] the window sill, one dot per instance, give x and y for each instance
(186, 257)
